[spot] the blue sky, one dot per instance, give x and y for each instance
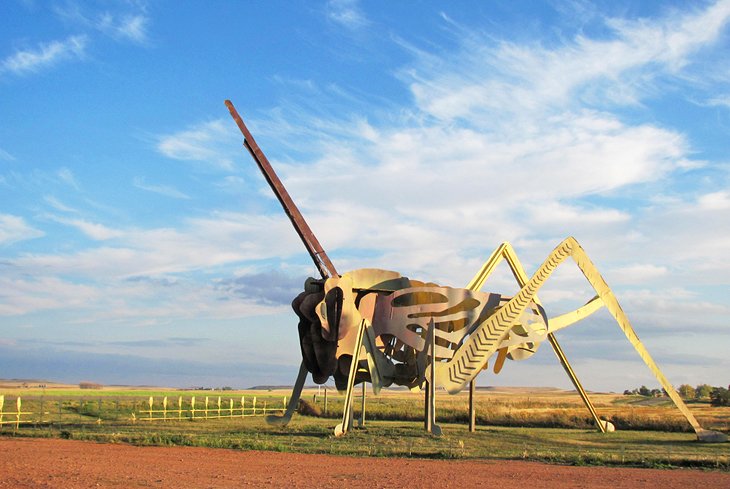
(139, 244)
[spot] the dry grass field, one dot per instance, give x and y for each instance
(512, 423)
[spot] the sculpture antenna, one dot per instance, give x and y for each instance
(315, 250)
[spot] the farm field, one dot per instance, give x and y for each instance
(512, 424)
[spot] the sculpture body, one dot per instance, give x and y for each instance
(376, 326)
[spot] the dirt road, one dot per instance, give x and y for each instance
(36, 463)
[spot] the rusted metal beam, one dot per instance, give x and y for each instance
(315, 250)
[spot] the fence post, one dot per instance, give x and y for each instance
(206, 407)
(231, 405)
(219, 406)
(472, 411)
(60, 410)
(164, 408)
(17, 416)
(151, 401)
(243, 407)
(2, 402)
(179, 407)
(362, 407)
(254, 406)
(192, 408)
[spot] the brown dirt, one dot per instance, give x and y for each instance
(35, 463)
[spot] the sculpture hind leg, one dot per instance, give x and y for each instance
(609, 300)
(507, 253)
(484, 341)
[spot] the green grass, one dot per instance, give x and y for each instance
(551, 427)
(407, 439)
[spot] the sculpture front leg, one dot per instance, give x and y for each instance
(293, 400)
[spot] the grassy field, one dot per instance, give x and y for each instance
(531, 424)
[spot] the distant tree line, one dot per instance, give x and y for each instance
(718, 396)
(645, 391)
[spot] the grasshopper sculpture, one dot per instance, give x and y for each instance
(377, 326)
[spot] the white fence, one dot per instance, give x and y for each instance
(209, 409)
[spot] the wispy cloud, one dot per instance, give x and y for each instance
(93, 230)
(129, 27)
(57, 204)
(4, 155)
(67, 176)
(165, 190)
(715, 201)
(23, 295)
(122, 24)
(45, 55)
(346, 13)
(271, 287)
(14, 229)
(721, 101)
(203, 243)
(484, 78)
(206, 142)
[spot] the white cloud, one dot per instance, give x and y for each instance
(231, 183)
(24, 295)
(206, 142)
(675, 308)
(510, 78)
(113, 301)
(721, 101)
(4, 155)
(346, 13)
(552, 213)
(67, 176)
(57, 204)
(130, 27)
(204, 243)
(165, 190)
(45, 55)
(639, 273)
(715, 201)
(93, 230)
(14, 229)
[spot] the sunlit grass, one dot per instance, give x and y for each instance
(549, 426)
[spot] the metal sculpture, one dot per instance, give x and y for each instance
(372, 325)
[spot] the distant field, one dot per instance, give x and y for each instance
(514, 423)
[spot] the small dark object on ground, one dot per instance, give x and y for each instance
(308, 409)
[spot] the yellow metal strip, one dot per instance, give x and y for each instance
(576, 383)
(565, 320)
(342, 428)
